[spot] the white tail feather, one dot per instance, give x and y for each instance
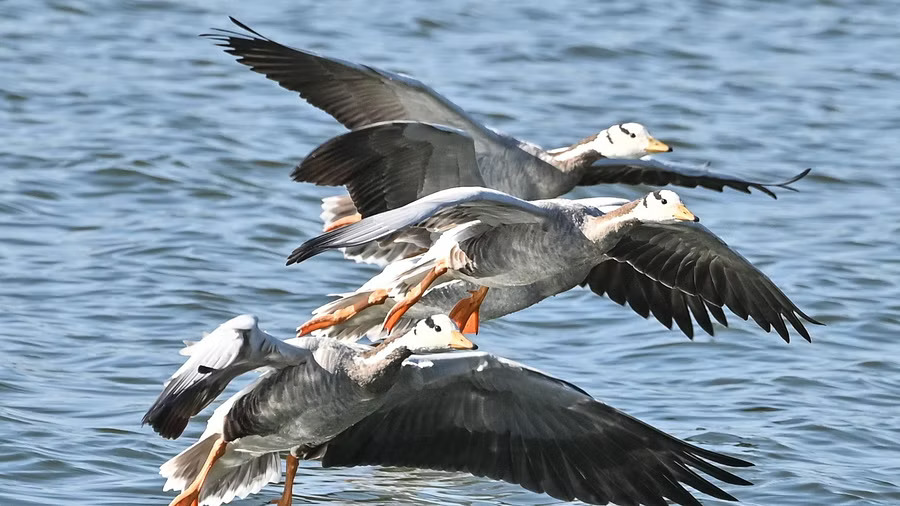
(181, 469)
(335, 208)
(225, 483)
(236, 474)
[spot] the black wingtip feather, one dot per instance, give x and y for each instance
(312, 247)
(793, 180)
(167, 419)
(299, 254)
(245, 27)
(662, 174)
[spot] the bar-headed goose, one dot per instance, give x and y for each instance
(442, 146)
(651, 253)
(350, 405)
(406, 160)
(313, 388)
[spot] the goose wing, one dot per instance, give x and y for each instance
(390, 164)
(657, 173)
(235, 347)
(489, 416)
(678, 270)
(354, 94)
(441, 209)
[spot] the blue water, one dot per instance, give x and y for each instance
(145, 199)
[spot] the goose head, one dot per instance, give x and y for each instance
(435, 334)
(662, 205)
(623, 141)
(628, 140)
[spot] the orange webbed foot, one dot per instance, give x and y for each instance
(413, 296)
(465, 312)
(341, 315)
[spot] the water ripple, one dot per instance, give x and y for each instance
(147, 199)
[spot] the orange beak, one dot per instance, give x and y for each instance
(657, 146)
(459, 342)
(684, 214)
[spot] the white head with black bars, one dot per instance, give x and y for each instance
(628, 140)
(662, 205)
(435, 334)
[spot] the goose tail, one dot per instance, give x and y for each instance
(235, 475)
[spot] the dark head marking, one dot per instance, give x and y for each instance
(430, 323)
(659, 197)
(625, 131)
(434, 326)
(644, 200)
(609, 137)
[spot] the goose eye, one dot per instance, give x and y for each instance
(663, 202)
(633, 136)
(437, 328)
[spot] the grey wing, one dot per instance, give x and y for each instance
(451, 206)
(488, 416)
(235, 347)
(280, 397)
(679, 270)
(354, 94)
(390, 164)
(657, 173)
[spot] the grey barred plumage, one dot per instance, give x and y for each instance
(496, 418)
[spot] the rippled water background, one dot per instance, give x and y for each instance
(145, 198)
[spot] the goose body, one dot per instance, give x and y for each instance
(350, 405)
(650, 253)
(412, 158)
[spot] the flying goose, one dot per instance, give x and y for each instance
(361, 96)
(406, 160)
(387, 165)
(650, 252)
(312, 388)
(350, 405)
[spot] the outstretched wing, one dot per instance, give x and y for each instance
(679, 270)
(354, 94)
(489, 416)
(235, 347)
(657, 173)
(390, 164)
(451, 206)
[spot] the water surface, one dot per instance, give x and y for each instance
(146, 199)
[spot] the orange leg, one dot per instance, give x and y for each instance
(343, 314)
(413, 296)
(343, 222)
(465, 312)
(191, 495)
(288, 495)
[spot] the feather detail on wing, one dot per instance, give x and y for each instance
(235, 347)
(657, 173)
(434, 212)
